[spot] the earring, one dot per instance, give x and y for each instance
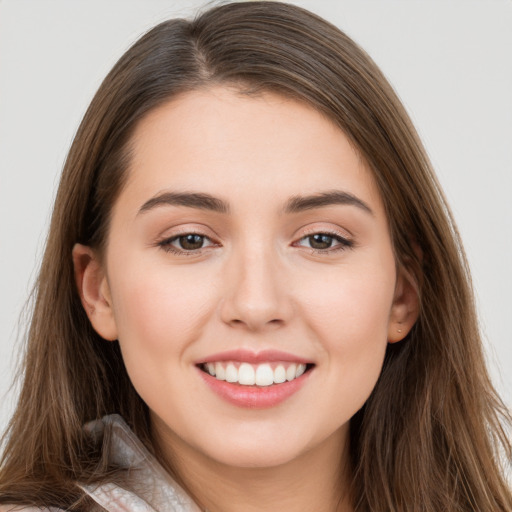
(399, 330)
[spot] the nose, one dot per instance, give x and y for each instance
(255, 296)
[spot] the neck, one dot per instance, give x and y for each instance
(316, 480)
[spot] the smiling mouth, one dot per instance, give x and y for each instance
(264, 374)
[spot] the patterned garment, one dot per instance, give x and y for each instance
(148, 488)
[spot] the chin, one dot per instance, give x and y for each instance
(255, 457)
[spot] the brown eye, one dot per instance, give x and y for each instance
(191, 242)
(320, 241)
(327, 243)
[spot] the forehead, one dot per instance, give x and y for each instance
(236, 146)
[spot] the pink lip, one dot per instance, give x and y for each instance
(254, 397)
(265, 356)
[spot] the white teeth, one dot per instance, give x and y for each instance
(264, 375)
(250, 375)
(231, 373)
(220, 373)
(291, 371)
(301, 368)
(246, 375)
(279, 374)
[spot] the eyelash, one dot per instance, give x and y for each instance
(167, 247)
(343, 243)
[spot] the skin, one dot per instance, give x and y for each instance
(256, 284)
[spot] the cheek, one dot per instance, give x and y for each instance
(160, 309)
(349, 317)
(160, 312)
(350, 307)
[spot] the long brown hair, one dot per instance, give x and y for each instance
(432, 434)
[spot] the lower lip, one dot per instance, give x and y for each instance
(254, 397)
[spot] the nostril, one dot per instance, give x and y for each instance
(274, 322)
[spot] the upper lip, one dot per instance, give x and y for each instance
(248, 356)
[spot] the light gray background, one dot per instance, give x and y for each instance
(450, 61)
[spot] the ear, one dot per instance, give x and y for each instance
(94, 291)
(406, 307)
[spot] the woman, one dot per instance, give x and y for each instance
(251, 263)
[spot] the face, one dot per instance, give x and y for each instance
(249, 277)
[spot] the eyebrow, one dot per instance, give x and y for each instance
(295, 204)
(330, 198)
(196, 200)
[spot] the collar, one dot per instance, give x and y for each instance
(146, 486)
